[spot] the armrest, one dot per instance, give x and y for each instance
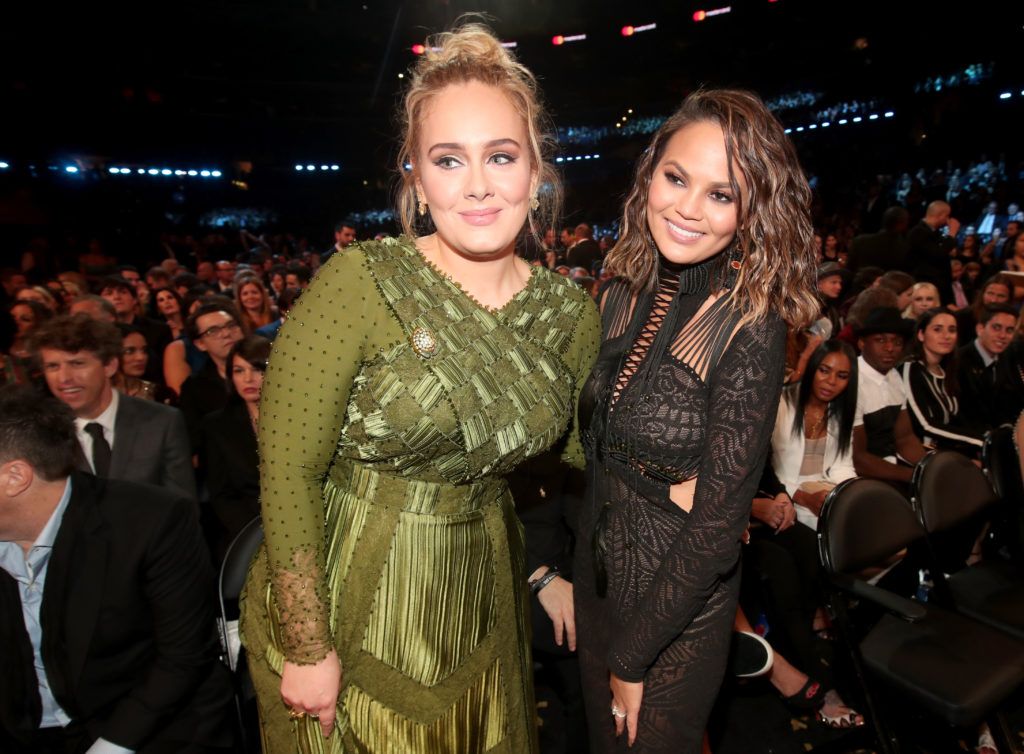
(901, 607)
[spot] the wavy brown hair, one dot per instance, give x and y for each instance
(774, 238)
(473, 53)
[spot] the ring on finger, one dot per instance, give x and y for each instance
(295, 714)
(617, 712)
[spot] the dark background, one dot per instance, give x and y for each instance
(254, 88)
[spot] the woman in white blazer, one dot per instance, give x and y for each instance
(812, 443)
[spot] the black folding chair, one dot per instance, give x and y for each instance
(229, 586)
(1001, 462)
(944, 664)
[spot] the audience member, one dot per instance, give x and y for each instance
(253, 303)
(121, 437)
(868, 301)
(171, 307)
(344, 235)
(995, 290)
(584, 250)
(105, 608)
(157, 278)
(27, 315)
(930, 382)
(40, 295)
(225, 278)
(887, 249)
(95, 307)
(992, 390)
(298, 276)
(884, 444)
(923, 296)
(130, 378)
(229, 441)
(930, 249)
(121, 294)
(284, 305)
(214, 328)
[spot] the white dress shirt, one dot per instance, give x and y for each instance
(105, 420)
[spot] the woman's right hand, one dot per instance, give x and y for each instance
(313, 689)
(556, 599)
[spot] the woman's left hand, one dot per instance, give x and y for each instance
(626, 697)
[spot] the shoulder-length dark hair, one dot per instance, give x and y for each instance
(774, 236)
(948, 362)
(255, 349)
(841, 408)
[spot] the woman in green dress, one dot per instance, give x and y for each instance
(387, 610)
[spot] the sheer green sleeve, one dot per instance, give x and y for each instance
(581, 356)
(315, 358)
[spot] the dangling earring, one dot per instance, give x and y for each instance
(421, 207)
(534, 203)
(737, 257)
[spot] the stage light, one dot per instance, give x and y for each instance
(597, 157)
(557, 40)
(70, 169)
(179, 172)
(419, 49)
(204, 173)
(826, 124)
(215, 174)
(629, 111)
(559, 159)
(1006, 95)
(401, 75)
(628, 31)
(889, 114)
(335, 167)
(561, 39)
(857, 119)
(873, 116)
(843, 121)
(799, 129)
(812, 126)
(4, 165)
(699, 15)
(115, 171)
(509, 45)
(310, 167)
(141, 171)
(788, 131)
(325, 167)
(300, 168)
(193, 173)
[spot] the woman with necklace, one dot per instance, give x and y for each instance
(715, 253)
(930, 378)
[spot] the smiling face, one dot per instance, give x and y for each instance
(939, 335)
(473, 169)
(80, 379)
(251, 297)
(691, 209)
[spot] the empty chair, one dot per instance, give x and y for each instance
(948, 491)
(941, 662)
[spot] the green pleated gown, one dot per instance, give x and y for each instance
(393, 403)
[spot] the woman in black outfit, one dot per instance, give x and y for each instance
(229, 441)
(930, 380)
(715, 256)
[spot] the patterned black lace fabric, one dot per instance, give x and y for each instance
(680, 391)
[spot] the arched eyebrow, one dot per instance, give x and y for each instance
(455, 147)
(681, 169)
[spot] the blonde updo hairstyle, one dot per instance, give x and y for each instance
(472, 53)
(774, 241)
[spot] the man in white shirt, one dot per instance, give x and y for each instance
(121, 437)
(882, 431)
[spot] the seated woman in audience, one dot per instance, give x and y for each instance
(1015, 263)
(28, 314)
(811, 451)
(830, 287)
(132, 366)
(924, 296)
(171, 308)
(182, 358)
(253, 303)
(229, 440)
(930, 379)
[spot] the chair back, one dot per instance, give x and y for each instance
(864, 522)
(1001, 460)
(236, 561)
(947, 489)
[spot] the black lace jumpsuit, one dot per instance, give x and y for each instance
(678, 392)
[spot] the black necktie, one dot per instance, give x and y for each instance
(100, 449)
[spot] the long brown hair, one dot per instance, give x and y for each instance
(473, 53)
(774, 238)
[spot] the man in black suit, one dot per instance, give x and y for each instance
(121, 437)
(991, 389)
(106, 615)
(886, 249)
(584, 250)
(930, 250)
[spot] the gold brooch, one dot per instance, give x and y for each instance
(423, 342)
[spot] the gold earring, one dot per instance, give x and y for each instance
(534, 202)
(421, 207)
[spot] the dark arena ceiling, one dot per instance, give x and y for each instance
(264, 85)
